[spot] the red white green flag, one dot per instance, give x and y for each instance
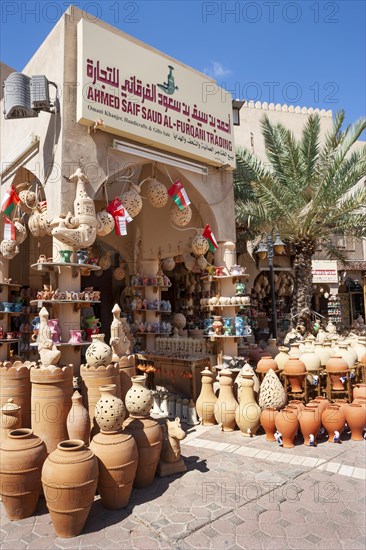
(9, 230)
(179, 195)
(121, 216)
(212, 243)
(9, 201)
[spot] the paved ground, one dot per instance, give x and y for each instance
(238, 493)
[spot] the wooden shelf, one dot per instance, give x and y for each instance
(223, 277)
(55, 266)
(11, 285)
(9, 341)
(13, 313)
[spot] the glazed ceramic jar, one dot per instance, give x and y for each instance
(247, 414)
(271, 393)
(9, 418)
(295, 369)
(15, 384)
(138, 399)
(287, 425)
(207, 401)
(98, 353)
(356, 420)
(333, 420)
(69, 480)
(336, 365)
(266, 363)
(310, 422)
(22, 455)
(267, 419)
(78, 419)
(109, 410)
(282, 357)
(226, 402)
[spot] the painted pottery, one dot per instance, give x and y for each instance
(247, 413)
(266, 363)
(9, 418)
(310, 422)
(333, 420)
(51, 403)
(267, 419)
(117, 459)
(109, 410)
(295, 368)
(78, 420)
(271, 393)
(22, 455)
(138, 399)
(359, 390)
(98, 353)
(287, 425)
(337, 365)
(282, 357)
(207, 402)
(65, 255)
(69, 481)
(356, 420)
(91, 379)
(226, 402)
(15, 384)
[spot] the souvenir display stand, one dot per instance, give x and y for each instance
(9, 343)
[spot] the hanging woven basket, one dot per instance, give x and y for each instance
(199, 245)
(180, 217)
(157, 194)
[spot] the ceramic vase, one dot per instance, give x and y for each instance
(127, 369)
(207, 401)
(22, 455)
(322, 353)
(360, 347)
(310, 422)
(247, 413)
(336, 365)
(311, 360)
(282, 358)
(266, 363)
(287, 425)
(69, 481)
(109, 410)
(296, 371)
(15, 384)
(356, 420)
(333, 420)
(117, 460)
(226, 402)
(271, 392)
(98, 353)
(349, 355)
(272, 347)
(138, 399)
(78, 419)
(267, 419)
(9, 418)
(321, 402)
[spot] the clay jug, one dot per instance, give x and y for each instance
(356, 420)
(139, 400)
(69, 481)
(247, 370)
(271, 393)
(272, 347)
(282, 358)
(267, 419)
(117, 459)
(298, 404)
(15, 384)
(296, 369)
(207, 401)
(342, 404)
(359, 391)
(337, 365)
(148, 436)
(109, 410)
(287, 425)
(247, 413)
(266, 363)
(310, 422)
(321, 402)
(226, 402)
(91, 380)
(322, 353)
(22, 455)
(78, 419)
(333, 419)
(98, 353)
(51, 403)
(9, 418)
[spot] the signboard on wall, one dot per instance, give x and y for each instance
(324, 271)
(147, 97)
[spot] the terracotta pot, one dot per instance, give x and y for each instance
(78, 419)
(296, 369)
(207, 401)
(266, 363)
(271, 393)
(109, 410)
(356, 420)
(117, 459)
(69, 480)
(9, 418)
(138, 399)
(360, 401)
(15, 384)
(310, 422)
(149, 437)
(298, 404)
(267, 419)
(226, 402)
(98, 353)
(342, 404)
(333, 419)
(322, 402)
(247, 413)
(282, 358)
(22, 455)
(336, 364)
(359, 390)
(287, 425)
(256, 354)
(126, 371)
(51, 403)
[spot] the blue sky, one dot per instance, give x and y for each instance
(300, 52)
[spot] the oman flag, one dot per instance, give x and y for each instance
(212, 243)
(9, 230)
(9, 201)
(178, 194)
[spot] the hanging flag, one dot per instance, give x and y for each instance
(114, 205)
(9, 201)
(212, 243)
(179, 195)
(9, 230)
(121, 216)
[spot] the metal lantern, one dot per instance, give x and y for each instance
(180, 217)
(202, 262)
(199, 245)
(168, 264)
(132, 202)
(105, 223)
(179, 321)
(157, 193)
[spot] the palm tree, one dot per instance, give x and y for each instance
(307, 190)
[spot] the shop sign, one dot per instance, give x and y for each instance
(324, 271)
(131, 90)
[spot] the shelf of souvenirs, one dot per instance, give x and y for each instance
(214, 336)
(155, 287)
(9, 340)
(156, 311)
(223, 277)
(211, 307)
(41, 301)
(53, 266)
(151, 334)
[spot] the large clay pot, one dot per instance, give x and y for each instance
(207, 401)
(69, 480)
(149, 437)
(321, 402)
(333, 419)
(337, 365)
(347, 354)
(109, 410)
(296, 369)
(126, 371)
(78, 419)
(287, 425)
(272, 347)
(282, 358)
(247, 414)
(360, 347)
(356, 420)
(311, 360)
(359, 391)
(271, 393)
(51, 403)
(92, 378)
(15, 384)
(265, 364)
(98, 353)
(226, 402)
(117, 459)
(267, 419)
(310, 422)
(9, 418)
(247, 370)
(256, 354)
(342, 404)
(138, 398)
(322, 353)
(22, 455)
